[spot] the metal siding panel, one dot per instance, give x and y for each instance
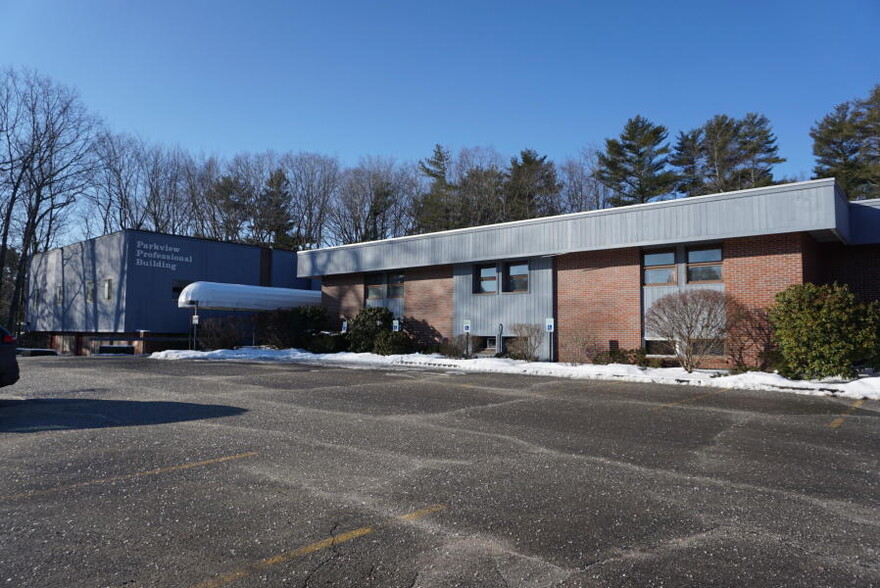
(487, 311)
(777, 209)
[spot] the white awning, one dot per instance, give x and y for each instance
(217, 296)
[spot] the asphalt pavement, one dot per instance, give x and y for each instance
(121, 471)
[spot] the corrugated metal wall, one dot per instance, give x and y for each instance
(487, 311)
(808, 206)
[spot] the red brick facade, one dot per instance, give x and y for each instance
(598, 297)
(427, 303)
(342, 296)
(858, 266)
(756, 268)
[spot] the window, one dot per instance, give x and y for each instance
(516, 276)
(59, 295)
(659, 347)
(108, 289)
(37, 295)
(704, 265)
(90, 291)
(375, 285)
(395, 285)
(486, 279)
(659, 268)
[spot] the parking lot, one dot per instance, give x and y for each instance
(138, 472)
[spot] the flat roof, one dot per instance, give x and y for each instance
(815, 205)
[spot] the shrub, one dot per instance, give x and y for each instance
(694, 319)
(364, 330)
(328, 343)
(627, 356)
(223, 332)
(290, 328)
(456, 348)
(823, 331)
(527, 337)
(393, 343)
(581, 347)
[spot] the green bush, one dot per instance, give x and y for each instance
(364, 330)
(328, 343)
(285, 329)
(393, 343)
(823, 331)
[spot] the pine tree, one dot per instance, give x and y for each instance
(759, 150)
(633, 167)
(726, 154)
(532, 187)
(846, 143)
(436, 209)
(687, 157)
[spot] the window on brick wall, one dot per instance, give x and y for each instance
(516, 276)
(703, 265)
(485, 279)
(658, 268)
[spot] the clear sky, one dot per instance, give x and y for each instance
(394, 78)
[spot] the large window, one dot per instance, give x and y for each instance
(703, 265)
(108, 289)
(486, 279)
(516, 276)
(395, 285)
(375, 285)
(658, 268)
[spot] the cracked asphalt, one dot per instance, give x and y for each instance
(138, 472)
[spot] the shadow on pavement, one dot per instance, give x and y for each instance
(58, 414)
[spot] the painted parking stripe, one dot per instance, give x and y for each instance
(839, 420)
(165, 470)
(686, 400)
(285, 556)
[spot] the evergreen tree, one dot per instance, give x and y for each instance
(272, 220)
(437, 209)
(687, 157)
(532, 187)
(846, 143)
(726, 154)
(633, 167)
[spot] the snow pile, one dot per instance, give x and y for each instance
(867, 387)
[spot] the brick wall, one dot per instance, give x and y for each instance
(857, 266)
(598, 297)
(342, 296)
(756, 268)
(427, 303)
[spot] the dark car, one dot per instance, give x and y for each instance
(8, 362)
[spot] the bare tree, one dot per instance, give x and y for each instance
(581, 188)
(694, 321)
(314, 184)
(48, 145)
(527, 338)
(373, 201)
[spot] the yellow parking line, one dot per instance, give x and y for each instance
(231, 577)
(165, 470)
(839, 420)
(686, 400)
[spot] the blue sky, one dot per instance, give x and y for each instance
(393, 78)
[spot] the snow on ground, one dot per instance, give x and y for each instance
(865, 387)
